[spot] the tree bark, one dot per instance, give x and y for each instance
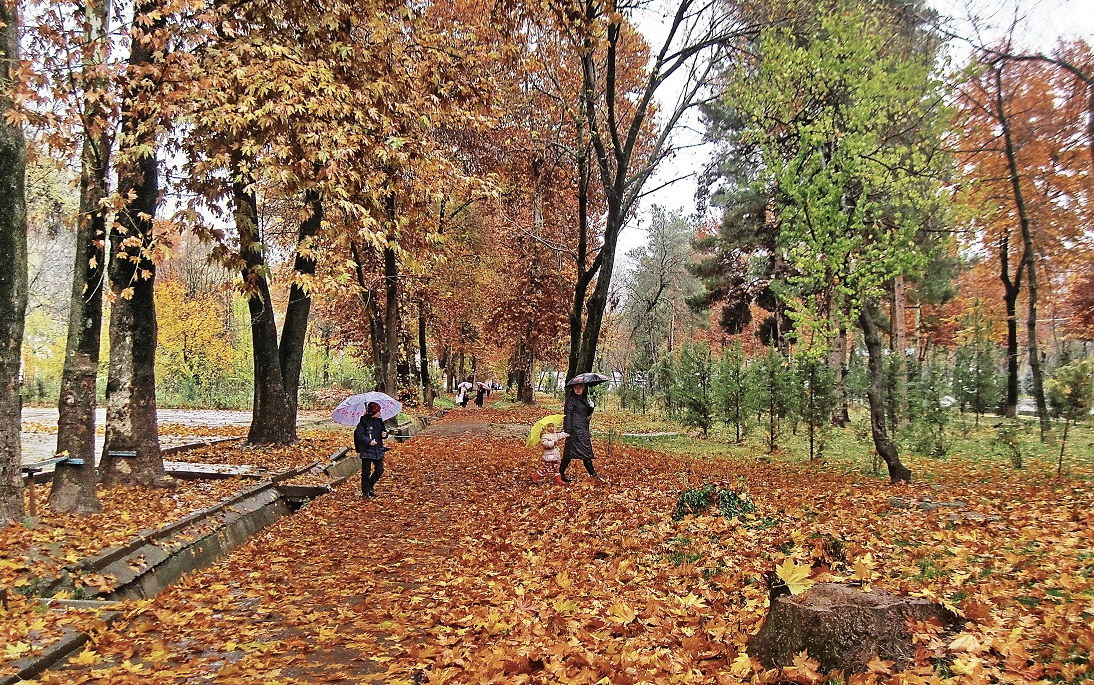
(584, 274)
(131, 382)
(874, 393)
(1011, 288)
(73, 490)
(390, 350)
(273, 421)
(13, 272)
(294, 332)
(837, 361)
(375, 323)
(523, 361)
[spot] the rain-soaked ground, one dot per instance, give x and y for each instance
(40, 427)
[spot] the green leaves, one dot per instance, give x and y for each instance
(844, 114)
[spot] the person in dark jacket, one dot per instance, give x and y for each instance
(576, 414)
(368, 440)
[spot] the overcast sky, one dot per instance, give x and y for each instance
(1042, 23)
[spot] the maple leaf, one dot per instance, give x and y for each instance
(966, 643)
(621, 613)
(85, 658)
(16, 650)
(795, 576)
(864, 569)
(806, 667)
(879, 666)
(741, 666)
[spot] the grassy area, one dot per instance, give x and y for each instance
(985, 448)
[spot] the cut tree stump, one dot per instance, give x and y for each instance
(843, 627)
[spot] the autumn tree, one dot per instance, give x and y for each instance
(1025, 170)
(85, 51)
(13, 256)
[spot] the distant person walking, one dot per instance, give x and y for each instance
(368, 440)
(577, 413)
(463, 393)
(480, 396)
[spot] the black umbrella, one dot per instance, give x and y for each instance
(588, 379)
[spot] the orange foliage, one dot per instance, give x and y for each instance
(1045, 112)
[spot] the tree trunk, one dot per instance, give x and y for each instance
(874, 393)
(131, 382)
(273, 422)
(294, 332)
(73, 490)
(389, 353)
(899, 346)
(837, 361)
(372, 314)
(523, 361)
(584, 275)
(1029, 256)
(423, 357)
(13, 273)
(598, 301)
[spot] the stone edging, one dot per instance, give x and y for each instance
(227, 524)
(338, 467)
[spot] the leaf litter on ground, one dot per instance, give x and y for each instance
(38, 551)
(462, 571)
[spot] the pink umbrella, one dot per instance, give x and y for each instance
(350, 411)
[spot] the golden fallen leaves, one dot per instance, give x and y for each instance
(463, 571)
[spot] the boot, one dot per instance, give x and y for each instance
(560, 480)
(537, 477)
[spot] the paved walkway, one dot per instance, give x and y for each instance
(40, 427)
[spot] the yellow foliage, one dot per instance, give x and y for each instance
(194, 340)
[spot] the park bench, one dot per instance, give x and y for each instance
(32, 471)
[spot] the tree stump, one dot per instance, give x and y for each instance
(843, 628)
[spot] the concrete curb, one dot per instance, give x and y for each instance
(238, 511)
(208, 534)
(69, 644)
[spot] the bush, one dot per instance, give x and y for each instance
(697, 501)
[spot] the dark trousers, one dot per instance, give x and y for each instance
(371, 470)
(566, 459)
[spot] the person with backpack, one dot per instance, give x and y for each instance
(368, 440)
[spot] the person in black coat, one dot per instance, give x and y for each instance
(576, 414)
(368, 440)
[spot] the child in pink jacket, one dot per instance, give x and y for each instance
(551, 456)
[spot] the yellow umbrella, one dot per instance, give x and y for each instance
(537, 428)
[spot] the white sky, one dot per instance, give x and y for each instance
(1041, 24)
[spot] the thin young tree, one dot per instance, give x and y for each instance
(622, 144)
